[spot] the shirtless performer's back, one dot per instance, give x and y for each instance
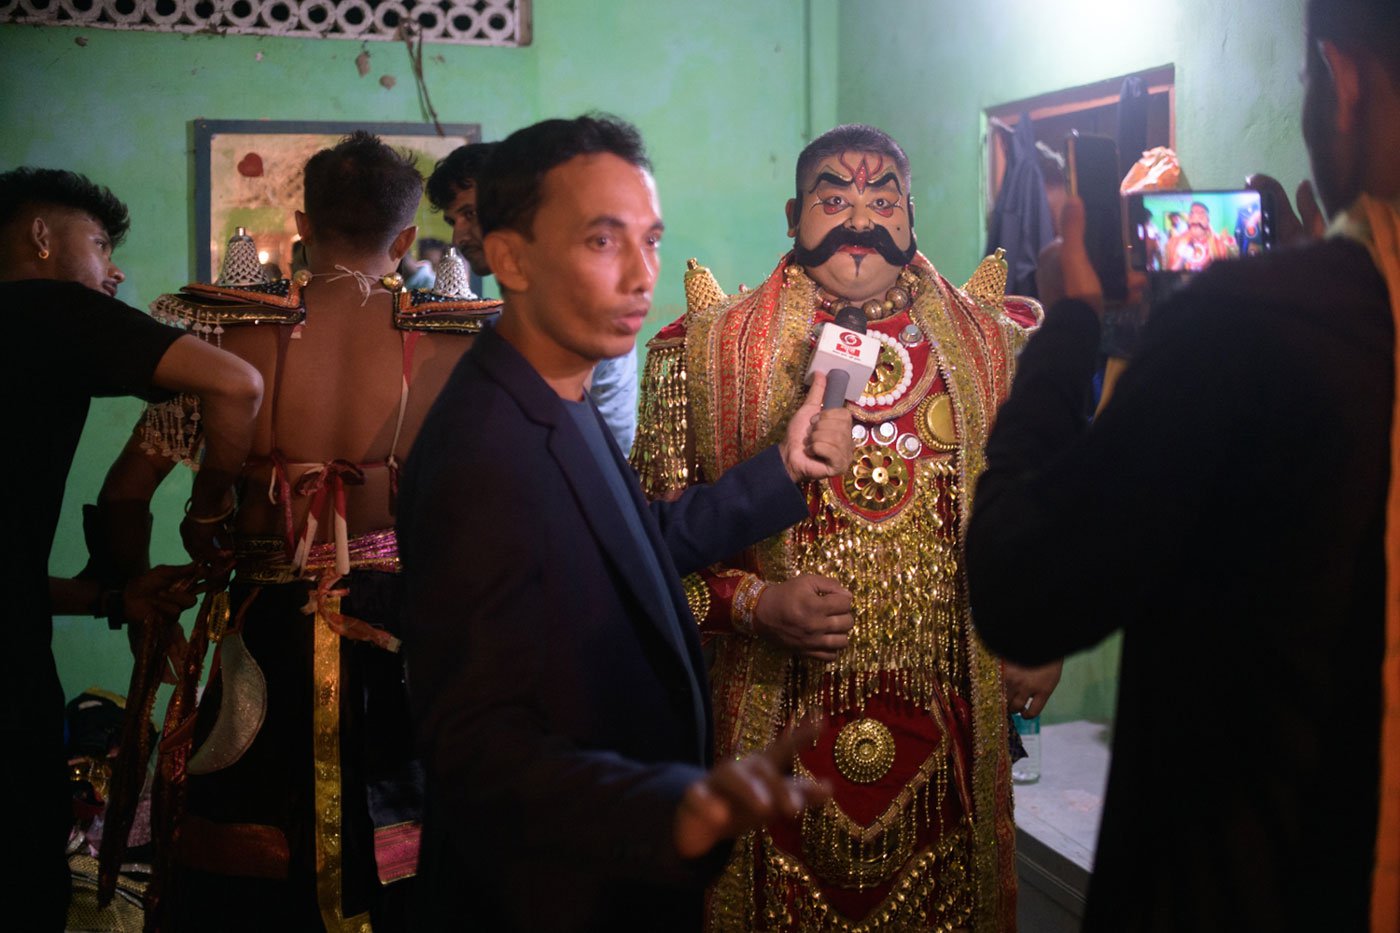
(293, 791)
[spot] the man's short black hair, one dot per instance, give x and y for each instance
(1369, 25)
(460, 170)
(851, 137)
(30, 187)
(361, 191)
(430, 243)
(514, 175)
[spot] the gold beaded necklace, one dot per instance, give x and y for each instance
(898, 297)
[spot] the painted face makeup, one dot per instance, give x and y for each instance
(1198, 220)
(854, 232)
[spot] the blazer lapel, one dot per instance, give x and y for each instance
(599, 509)
(542, 405)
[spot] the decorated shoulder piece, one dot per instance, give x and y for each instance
(205, 310)
(987, 288)
(425, 310)
(241, 295)
(449, 307)
(171, 429)
(662, 454)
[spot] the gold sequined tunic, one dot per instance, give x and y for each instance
(919, 834)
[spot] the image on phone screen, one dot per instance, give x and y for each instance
(1187, 231)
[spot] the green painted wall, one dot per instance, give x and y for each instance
(926, 70)
(725, 93)
(722, 100)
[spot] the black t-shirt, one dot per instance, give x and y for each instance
(63, 344)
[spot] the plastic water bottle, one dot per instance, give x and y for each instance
(1027, 770)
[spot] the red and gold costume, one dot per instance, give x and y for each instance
(919, 833)
(1183, 253)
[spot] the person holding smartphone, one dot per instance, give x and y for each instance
(1233, 511)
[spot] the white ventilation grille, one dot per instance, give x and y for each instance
(463, 22)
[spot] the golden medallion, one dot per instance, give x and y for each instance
(878, 479)
(864, 751)
(889, 371)
(936, 424)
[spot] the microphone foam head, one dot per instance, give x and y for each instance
(851, 318)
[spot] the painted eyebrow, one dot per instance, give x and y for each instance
(830, 178)
(887, 179)
(837, 181)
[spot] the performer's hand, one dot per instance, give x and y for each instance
(210, 513)
(738, 796)
(1291, 229)
(1064, 269)
(1027, 688)
(809, 614)
(818, 443)
(158, 597)
(209, 545)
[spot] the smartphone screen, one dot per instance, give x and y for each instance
(1186, 231)
(1094, 177)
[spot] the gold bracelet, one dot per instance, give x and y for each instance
(212, 520)
(746, 597)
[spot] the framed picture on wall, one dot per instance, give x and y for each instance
(248, 173)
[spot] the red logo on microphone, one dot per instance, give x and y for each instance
(850, 339)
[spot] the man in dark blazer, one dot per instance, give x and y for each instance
(556, 677)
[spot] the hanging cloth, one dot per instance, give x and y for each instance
(1020, 222)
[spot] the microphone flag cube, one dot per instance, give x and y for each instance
(848, 351)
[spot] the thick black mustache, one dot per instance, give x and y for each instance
(876, 238)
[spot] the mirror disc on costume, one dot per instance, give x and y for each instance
(864, 751)
(935, 422)
(909, 446)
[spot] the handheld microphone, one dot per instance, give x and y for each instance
(846, 355)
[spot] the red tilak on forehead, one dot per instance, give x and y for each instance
(861, 174)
